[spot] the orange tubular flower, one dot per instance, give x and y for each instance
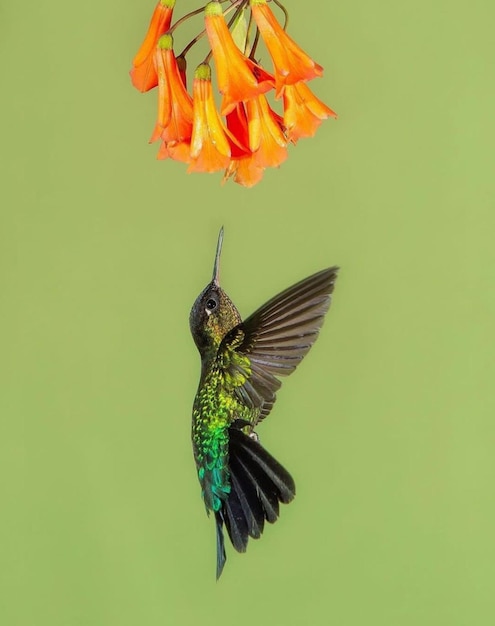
(175, 105)
(267, 139)
(210, 149)
(303, 111)
(235, 72)
(292, 64)
(143, 72)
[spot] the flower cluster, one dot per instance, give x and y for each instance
(243, 135)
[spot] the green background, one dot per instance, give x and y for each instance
(388, 426)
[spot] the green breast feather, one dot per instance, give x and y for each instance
(215, 408)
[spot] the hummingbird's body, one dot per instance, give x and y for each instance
(241, 482)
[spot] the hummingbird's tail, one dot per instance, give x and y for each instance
(258, 484)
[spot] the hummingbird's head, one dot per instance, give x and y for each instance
(213, 314)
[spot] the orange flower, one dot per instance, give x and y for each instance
(303, 112)
(235, 72)
(143, 72)
(210, 150)
(175, 105)
(291, 63)
(267, 139)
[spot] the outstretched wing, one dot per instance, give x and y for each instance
(274, 340)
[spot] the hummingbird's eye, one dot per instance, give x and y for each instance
(211, 304)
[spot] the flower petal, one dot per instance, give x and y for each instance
(237, 126)
(176, 150)
(244, 171)
(266, 136)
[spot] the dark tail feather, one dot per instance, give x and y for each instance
(245, 487)
(258, 484)
(221, 557)
(235, 519)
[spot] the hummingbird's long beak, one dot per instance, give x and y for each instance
(216, 267)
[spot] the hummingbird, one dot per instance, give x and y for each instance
(241, 362)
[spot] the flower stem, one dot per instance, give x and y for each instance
(284, 11)
(192, 42)
(247, 49)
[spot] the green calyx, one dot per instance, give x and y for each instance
(168, 3)
(166, 42)
(213, 8)
(253, 2)
(203, 72)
